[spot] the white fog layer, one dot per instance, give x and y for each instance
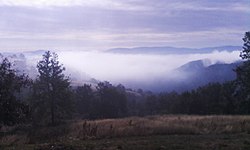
(119, 68)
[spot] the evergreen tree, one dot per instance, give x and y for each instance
(84, 98)
(51, 91)
(243, 74)
(110, 102)
(12, 109)
(245, 54)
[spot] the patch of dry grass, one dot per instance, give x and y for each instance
(155, 125)
(14, 135)
(80, 130)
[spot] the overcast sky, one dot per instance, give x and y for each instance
(103, 24)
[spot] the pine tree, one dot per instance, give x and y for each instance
(52, 95)
(243, 74)
(12, 109)
(245, 54)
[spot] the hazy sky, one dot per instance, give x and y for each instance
(103, 24)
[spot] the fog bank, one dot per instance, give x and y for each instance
(129, 68)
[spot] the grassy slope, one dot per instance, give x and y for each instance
(153, 132)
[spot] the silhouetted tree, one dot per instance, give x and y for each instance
(12, 109)
(243, 74)
(151, 105)
(245, 54)
(51, 90)
(84, 98)
(110, 101)
(228, 98)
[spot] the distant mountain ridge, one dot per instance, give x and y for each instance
(198, 74)
(171, 50)
(190, 76)
(218, 72)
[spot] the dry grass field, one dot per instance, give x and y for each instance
(151, 132)
(160, 125)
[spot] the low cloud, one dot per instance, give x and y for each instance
(140, 68)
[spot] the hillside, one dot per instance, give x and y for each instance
(198, 74)
(193, 75)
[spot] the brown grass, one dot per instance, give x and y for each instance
(155, 125)
(127, 127)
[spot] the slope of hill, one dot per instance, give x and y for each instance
(197, 74)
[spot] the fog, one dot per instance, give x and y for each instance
(130, 69)
(153, 72)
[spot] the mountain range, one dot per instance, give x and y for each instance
(171, 50)
(198, 74)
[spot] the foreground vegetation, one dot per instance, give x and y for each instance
(151, 132)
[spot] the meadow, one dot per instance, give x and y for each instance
(150, 132)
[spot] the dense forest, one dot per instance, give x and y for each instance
(50, 99)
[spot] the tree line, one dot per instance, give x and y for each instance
(50, 99)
